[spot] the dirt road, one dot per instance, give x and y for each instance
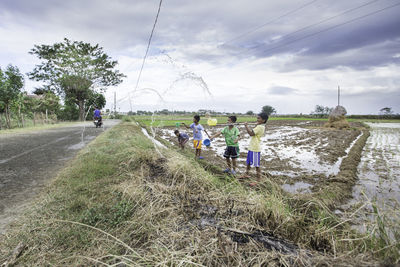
(30, 159)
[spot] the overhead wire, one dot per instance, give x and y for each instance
(148, 44)
(332, 27)
(145, 55)
(290, 41)
(321, 31)
(269, 22)
(320, 22)
(238, 37)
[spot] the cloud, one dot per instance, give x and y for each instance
(281, 90)
(244, 65)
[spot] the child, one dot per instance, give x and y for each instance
(197, 136)
(182, 138)
(232, 135)
(254, 153)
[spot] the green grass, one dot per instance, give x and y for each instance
(161, 121)
(120, 202)
(37, 127)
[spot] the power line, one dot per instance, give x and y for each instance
(321, 31)
(148, 45)
(333, 27)
(320, 22)
(144, 58)
(269, 22)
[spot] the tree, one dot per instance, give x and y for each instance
(250, 113)
(75, 70)
(95, 100)
(11, 83)
(69, 111)
(268, 109)
(386, 111)
(321, 111)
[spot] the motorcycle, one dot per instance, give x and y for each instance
(97, 122)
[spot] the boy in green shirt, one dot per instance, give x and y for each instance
(254, 153)
(232, 135)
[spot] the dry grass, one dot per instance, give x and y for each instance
(338, 122)
(121, 203)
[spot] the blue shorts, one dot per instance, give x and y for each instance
(253, 158)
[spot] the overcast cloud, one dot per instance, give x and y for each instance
(248, 53)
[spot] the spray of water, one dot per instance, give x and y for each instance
(183, 74)
(198, 80)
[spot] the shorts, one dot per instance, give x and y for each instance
(183, 141)
(231, 152)
(197, 144)
(253, 158)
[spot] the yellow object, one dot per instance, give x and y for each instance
(197, 144)
(256, 139)
(212, 122)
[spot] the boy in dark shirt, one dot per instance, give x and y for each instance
(182, 138)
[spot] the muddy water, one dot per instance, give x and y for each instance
(291, 149)
(379, 173)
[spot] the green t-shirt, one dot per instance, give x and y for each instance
(230, 135)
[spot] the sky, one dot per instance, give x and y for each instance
(227, 56)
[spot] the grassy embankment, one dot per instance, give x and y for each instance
(121, 202)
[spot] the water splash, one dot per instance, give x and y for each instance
(193, 77)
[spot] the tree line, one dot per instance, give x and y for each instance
(74, 75)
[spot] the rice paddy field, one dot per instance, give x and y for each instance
(133, 198)
(302, 155)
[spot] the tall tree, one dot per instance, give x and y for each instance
(268, 109)
(11, 83)
(321, 111)
(75, 70)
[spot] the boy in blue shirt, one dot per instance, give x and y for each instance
(232, 135)
(197, 136)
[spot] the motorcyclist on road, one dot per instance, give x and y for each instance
(97, 114)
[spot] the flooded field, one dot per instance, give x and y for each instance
(379, 169)
(302, 152)
(302, 156)
(379, 174)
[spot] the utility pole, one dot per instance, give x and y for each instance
(130, 102)
(115, 103)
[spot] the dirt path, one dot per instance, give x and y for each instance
(28, 160)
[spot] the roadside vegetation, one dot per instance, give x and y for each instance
(76, 72)
(121, 202)
(36, 127)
